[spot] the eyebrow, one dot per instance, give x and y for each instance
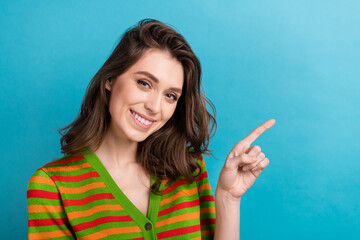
(149, 75)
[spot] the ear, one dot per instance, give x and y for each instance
(108, 84)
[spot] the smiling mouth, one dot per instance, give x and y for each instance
(143, 122)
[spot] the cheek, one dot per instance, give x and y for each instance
(169, 112)
(120, 100)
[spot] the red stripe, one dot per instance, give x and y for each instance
(72, 159)
(207, 221)
(201, 176)
(197, 156)
(75, 178)
(181, 182)
(179, 206)
(101, 220)
(173, 186)
(207, 198)
(48, 222)
(42, 194)
(178, 231)
(87, 199)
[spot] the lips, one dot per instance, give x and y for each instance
(143, 122)
(142, 116)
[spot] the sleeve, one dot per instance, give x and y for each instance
(207, 203)
(47, 218)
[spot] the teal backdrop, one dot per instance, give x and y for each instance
(295, 61)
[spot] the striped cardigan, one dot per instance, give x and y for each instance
(75, 197)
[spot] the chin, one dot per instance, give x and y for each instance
(136, 137)
(140, 139)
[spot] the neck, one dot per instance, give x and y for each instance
(117, 151)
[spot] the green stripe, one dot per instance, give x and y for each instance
(119, 198)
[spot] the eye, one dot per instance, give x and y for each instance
(172, 96)
(143, 83)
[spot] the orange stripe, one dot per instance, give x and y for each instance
(207, 232)
(165, 181)
(41, 179)
(177, 195)
(93, 210)
(44, 208)
(66, 168)
(82, 189)
(202, 162)
(111, 231)
(198, 238)
(46, 235)
(201, 165)
(179, 218)
(205, 186)
(207, 210)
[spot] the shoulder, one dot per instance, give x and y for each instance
(68, 159)
(200, 160)
(69, 168)
(58, 166)
(200, 173)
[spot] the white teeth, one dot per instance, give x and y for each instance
(142, 120)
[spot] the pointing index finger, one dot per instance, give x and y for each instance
(258, 131)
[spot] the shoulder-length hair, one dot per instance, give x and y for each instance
(167, 153)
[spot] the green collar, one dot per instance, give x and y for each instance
(128, 206)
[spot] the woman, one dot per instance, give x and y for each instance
(133, 165)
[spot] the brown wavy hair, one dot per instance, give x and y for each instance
(167, 153)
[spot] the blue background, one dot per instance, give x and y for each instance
(295, 61)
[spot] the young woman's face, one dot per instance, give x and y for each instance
(144, 97)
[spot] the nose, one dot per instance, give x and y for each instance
(153, 103)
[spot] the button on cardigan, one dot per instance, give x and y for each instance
(75, 197)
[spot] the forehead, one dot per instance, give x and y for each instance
(159, 63)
